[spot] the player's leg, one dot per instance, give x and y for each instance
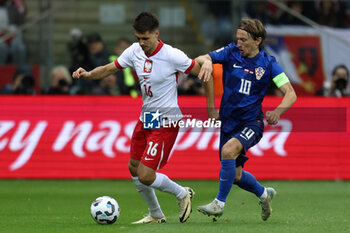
(246, 180)
(165, 184)
(159, 145)
(229, 152)
(138, 145)
(249, 183)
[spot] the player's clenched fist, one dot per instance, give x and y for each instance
(80, 73)
(272, 117)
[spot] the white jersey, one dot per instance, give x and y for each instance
(157, 74)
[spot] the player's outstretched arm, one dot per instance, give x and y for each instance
(288, 100)
(97, 73)
(206, 67)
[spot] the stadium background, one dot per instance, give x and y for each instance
(88, 137)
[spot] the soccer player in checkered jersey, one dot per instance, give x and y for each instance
(247, 73)
(157, 66)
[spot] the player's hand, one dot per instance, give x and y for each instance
(213, 114)
(80, 73)
(272, 117)
(206, 71)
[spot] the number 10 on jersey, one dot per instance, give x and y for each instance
(245, 86)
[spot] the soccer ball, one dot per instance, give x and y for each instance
(105, 210)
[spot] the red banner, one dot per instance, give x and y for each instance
(301, 59)
(89, 137)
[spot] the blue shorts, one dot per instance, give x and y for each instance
(248, 134)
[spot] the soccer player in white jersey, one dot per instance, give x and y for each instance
(157, 65)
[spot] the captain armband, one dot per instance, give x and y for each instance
(280, 79)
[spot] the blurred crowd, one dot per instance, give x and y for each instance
(89, 50)
(217, 29)
(333, 13)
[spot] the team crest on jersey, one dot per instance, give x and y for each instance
(259, 72)
(148, 66)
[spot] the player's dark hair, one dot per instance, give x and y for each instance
(255, 28)
(146, 21)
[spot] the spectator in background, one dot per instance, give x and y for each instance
(339, 83)
(190, 85)
(77, 48)
(331, 13)
(12, 47)
(258, 10)
(23, 82)
(107, 86)
(98, 53)
(126, 79)
(61, 81)
(88, 52)
(296, 6)
(217, 26)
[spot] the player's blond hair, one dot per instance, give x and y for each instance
(254, 27)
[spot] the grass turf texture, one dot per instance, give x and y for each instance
(63, 206)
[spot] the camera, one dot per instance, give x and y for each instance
(341, 83)
(26, 86)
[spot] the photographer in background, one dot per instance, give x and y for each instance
(61, 81)
(88, 52)
(23, 82)
(339, 83)
(190, 85)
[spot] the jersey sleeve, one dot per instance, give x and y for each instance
(220, 55)
(278, 75)
(181, 61)
(125, 59)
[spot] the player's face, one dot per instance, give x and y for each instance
(148, 41)
(246, 44)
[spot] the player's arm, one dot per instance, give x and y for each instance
(206, 65)
(195, 69)
(288, 100)
(210, 95)
(206, 74)
(97, 73)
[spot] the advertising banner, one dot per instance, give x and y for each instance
(64, 137)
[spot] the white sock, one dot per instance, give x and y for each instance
(149, 196)
(163, 183)
(220, 203)
(264, 195)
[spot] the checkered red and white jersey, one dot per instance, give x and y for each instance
(157, 74)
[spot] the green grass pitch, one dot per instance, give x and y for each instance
(63, 206)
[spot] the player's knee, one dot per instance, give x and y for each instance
(146, 179)
(230, 151)
(133, 168)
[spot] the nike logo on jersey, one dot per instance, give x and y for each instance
(236, 66)
(148, 158)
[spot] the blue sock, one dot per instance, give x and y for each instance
(249, 183)
(227, 176)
